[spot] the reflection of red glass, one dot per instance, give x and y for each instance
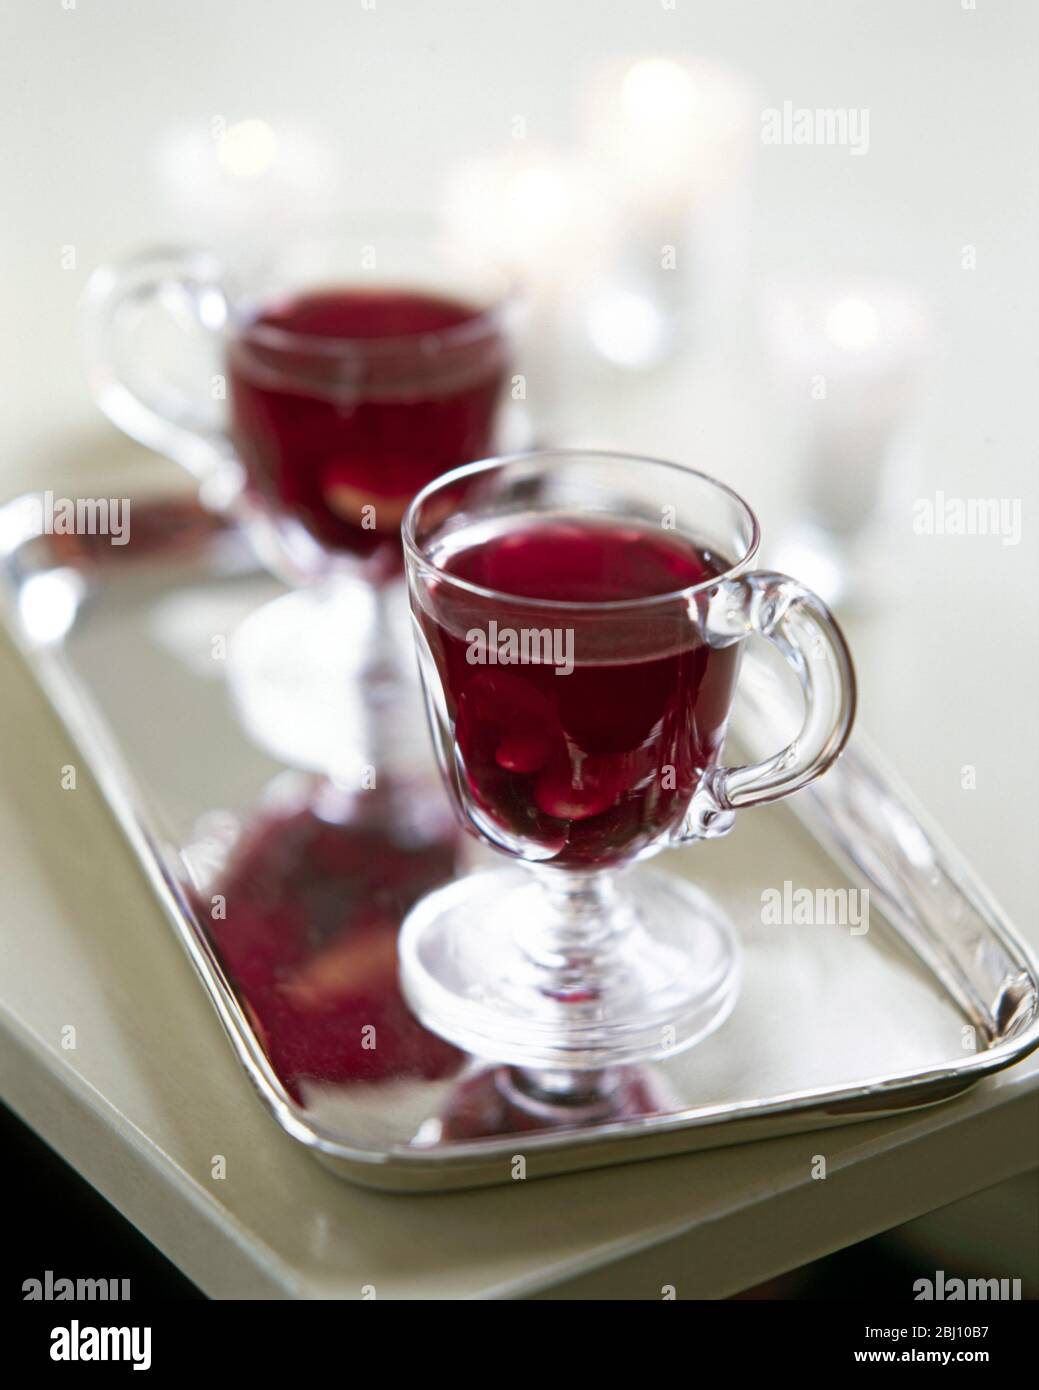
(344, 400)
(157, 530)
(309, 941)
(592, 766)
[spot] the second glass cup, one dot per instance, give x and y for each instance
(579, 620)
(313, 393)
(323, 385)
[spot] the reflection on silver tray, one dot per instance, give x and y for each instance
(311, 879)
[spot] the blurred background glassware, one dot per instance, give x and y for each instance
(257, 182)
(312, 391)
(577, 773)
(540, 211)
(849, 356)
(341, 370)
(673, 140)
(632, 241)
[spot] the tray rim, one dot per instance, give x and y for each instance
(468, 1163)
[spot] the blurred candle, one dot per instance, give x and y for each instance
(537, 212)
(849, 359)
(525, 207)
(251, 182)
(673, 141)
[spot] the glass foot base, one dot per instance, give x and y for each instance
(579, 975)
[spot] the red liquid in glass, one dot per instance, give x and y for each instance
(591, 767)
(368, 396)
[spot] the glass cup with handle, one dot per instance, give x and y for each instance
(579, 619)
(313, 392)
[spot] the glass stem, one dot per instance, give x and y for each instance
(574, 943)
(384, 684)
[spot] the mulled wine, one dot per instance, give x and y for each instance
(344, 402)
(581, 727)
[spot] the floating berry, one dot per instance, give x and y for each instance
(523, 753)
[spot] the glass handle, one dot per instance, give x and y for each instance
(792, 618)
(148, 406)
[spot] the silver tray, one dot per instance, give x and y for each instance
(834, 1024)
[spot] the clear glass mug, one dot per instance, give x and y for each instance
(332, 381)
(313, 392)
(579, 619)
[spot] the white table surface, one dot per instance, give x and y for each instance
(948, 670)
